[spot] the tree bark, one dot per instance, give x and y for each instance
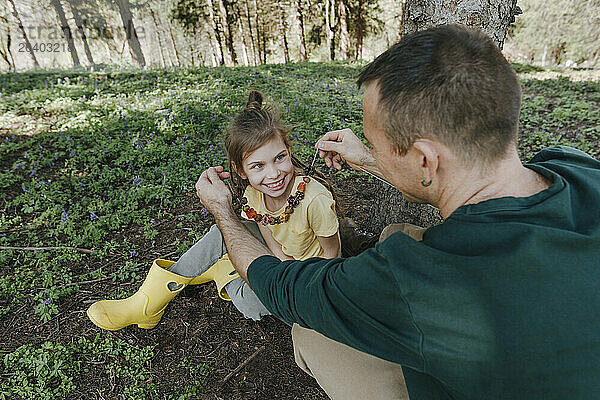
(260, 35)
(283, 27)
(66, 30)
(158, 36)
(329, 28)
(135, 49)
(494, 17)
(6, 43)
(344, 38)
(245, 57)
(252, 39)
(230, 58)
(173, 44)
(301, 40)
(15, 13)
(218, 42)
(79, 24)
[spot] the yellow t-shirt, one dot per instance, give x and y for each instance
(314, 216)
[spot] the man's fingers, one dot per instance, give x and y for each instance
(212, 175)
(328, 146)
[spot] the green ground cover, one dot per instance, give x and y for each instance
(89, 156)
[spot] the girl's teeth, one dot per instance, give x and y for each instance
(273, 185)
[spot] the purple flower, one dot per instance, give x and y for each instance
(64, 217)
(204, 212)
(137, 180)
(132, 253)
(93, 216)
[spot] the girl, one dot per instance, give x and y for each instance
(292, 214)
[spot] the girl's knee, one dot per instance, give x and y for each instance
(245, 300)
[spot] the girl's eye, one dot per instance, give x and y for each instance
(257, 166)
(280, 157)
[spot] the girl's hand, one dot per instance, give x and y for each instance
(212, 191)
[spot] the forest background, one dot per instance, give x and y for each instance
(84, 33)
(98, 160)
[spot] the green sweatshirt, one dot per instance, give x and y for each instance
(501, 301)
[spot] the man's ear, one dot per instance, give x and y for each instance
(429, 157)
(238, 171)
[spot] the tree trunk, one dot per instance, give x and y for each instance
(344, 39)
(158, 35)
(6, 43)
(25, 38)
(260, 35)
(245, 57)
(301, 41)
(79, 24)
(66, 30)
(218, 42)
(283, 26)
(252, 39)
(360, 27)
(329, 28)
(494, 17)
(402, 12)
(230, 58)
(173, 44)
(135, 49)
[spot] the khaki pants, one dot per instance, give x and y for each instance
(345, 373)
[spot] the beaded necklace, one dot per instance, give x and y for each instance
(292, 201)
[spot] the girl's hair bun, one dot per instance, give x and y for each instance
(255, 99)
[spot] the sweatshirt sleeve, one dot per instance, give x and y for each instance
(353, 301)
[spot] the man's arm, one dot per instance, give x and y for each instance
(242, 246)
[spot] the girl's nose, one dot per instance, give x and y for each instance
(272, 172)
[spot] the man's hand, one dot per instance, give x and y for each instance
(212, 191)
(343, 145)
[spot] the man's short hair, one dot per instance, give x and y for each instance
(448, 83)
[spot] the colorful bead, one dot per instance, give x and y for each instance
(251, 213)
(306, 179)
(301, 187)
(244, 200)
(246, 207)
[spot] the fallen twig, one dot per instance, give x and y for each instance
(86, 251)
(83, 282)
(242, 365)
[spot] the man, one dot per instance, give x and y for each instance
(502, 300)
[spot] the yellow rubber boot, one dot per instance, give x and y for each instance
(222, 272)
(146, 307)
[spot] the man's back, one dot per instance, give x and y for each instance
(511, 308)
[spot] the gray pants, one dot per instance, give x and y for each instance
(205, 253)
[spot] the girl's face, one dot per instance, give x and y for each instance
(269, 168)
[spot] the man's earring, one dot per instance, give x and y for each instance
(425, 184)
